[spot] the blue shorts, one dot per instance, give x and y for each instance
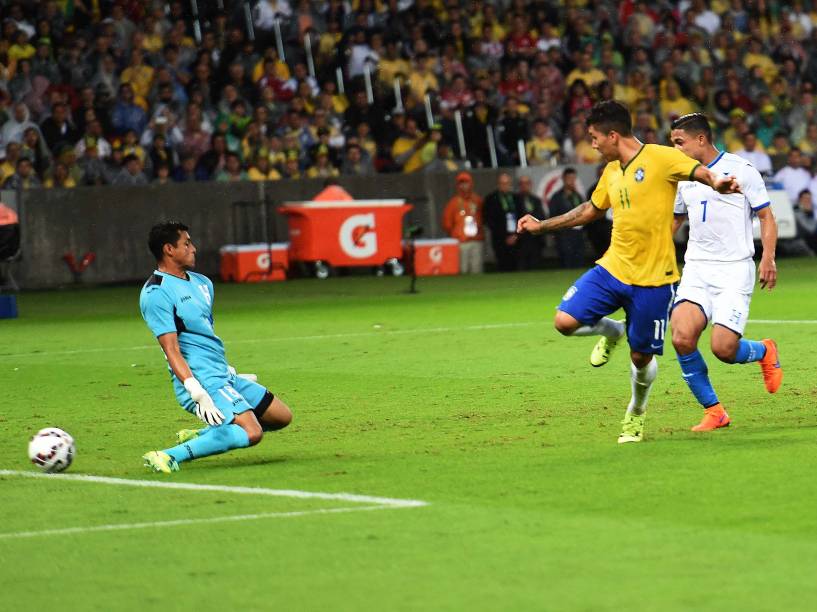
(236, 396)
(598, 293)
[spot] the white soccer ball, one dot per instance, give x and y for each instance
(51, 449)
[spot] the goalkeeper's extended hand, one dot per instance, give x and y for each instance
(205, 408)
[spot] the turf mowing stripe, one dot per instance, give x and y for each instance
(391, 332)
(186, 486)
(182, 522)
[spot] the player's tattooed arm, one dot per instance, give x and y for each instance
(581, 215)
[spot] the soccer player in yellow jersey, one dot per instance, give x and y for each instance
(638, 272)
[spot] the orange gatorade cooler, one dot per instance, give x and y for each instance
(345, 233)
(434, 257)
(252, 263)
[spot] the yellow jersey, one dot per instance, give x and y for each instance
(642, 196)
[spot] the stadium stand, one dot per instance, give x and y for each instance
(128, 91)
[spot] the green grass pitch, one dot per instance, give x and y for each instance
(462, 396)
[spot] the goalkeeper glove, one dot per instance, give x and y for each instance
(205, 408)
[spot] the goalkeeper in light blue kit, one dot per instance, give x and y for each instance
(177, 306)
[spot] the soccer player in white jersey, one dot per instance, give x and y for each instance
(719, 272)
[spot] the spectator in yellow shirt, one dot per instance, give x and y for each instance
(755, 56)
(131, 146)
(780, 145)
(586, 71)
(323, 168)
(292, 168)
(365, 140)
(421, 78)
(153, 40)
(809, 143)
(673, 105)
(542, 147)
(392, 64)
(630, 92)
(406, 149)
(577, 147)
(280, 70)
(733, 135)
(261, 169)
(140, 77)
(9, 165)
(21, 49)
(60, 178)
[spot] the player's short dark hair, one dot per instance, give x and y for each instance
(162, 234)
(611, 116)
(568, 170)
(693, 123)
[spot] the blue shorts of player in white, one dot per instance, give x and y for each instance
(598, 293)
(237, 395)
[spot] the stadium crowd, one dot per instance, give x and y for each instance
(134, 91)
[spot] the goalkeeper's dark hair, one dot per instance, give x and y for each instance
(611, 116)
(693, 123)
(162, 234)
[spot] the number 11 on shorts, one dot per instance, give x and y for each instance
(660, 326)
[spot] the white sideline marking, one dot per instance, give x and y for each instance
(388, 332)
(188, 486)
(180, 522)
(379, 503)
(392, 332)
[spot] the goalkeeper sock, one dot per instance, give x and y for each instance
(213, 441)
(641, 382)
(605, 327)
(696, 375)
(750, 350)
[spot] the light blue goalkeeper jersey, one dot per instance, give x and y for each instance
(170, 304)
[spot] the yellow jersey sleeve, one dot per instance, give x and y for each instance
(678, 166)
(600, 198)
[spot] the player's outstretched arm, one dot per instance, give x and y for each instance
(581, 215)
(767, 271)
(721, 184)
(205, 408)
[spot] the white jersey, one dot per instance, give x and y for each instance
(720, 225)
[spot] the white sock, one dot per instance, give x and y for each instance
(641, 382)
(605, 327)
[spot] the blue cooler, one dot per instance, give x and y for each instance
(8, 306)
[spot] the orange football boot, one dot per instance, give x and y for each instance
(770, 366)
(714, 417)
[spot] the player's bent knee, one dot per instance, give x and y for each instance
(565, 324)
(683, 342)
(251, 426)
(276, 416)
(279, 421)
(254, 433)
(284, 417)
(640, 359)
